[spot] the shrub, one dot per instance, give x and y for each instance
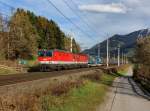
(93, 77)
(64, 87)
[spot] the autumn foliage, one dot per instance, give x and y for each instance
(25, 33)
(143, 57)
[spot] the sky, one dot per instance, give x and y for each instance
(94, 20)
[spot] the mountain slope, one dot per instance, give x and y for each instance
(126, 42)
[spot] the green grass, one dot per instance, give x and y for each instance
(122, 73)
(85, 98)
(107, 79)
(122, 70)
(78, 94)
(31, 63)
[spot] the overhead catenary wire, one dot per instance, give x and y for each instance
(58, 10)
(6, 4)
(67, 18)
(8, 16)
(81, 18)
(74, 24)
(84, 16)
(11, 7)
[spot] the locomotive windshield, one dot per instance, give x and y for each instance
(45, 53)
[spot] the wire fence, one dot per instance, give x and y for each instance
(11, 66)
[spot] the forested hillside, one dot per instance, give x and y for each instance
(26, 33)
(126, 42)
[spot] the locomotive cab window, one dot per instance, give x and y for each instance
(41, 53)
(45, 53)
(49, 53)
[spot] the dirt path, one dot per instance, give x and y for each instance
(31, 76)
(123, 97)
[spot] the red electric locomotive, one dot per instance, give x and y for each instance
(57, 59)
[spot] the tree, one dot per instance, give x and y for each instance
(51, 36)
(143, 56)
(76, 47)
(143, 51)
(28, 32)
(23, 36)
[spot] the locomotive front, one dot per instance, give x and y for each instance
(45, 56)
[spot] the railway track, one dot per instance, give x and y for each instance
(18, 78)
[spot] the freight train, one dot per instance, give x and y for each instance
(58, 59)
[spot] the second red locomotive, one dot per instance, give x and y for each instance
(57, 59)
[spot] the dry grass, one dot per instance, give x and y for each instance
(56, 95)
(93, 77)
(123, 69)
(20, 102)
(64, 87)
(32, 101)
(4, 71)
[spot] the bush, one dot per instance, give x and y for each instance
(143, 56)
(64, 87)
(93, 77)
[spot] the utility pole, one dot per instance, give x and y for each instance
(8, 44)
(126, 61)
(99, 48)
(118, 56)
(114, 59)
(124, 58)
(108, 52)
(71, 44)
(122, 61)
(9, 36)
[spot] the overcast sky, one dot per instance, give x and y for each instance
(96, 18)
